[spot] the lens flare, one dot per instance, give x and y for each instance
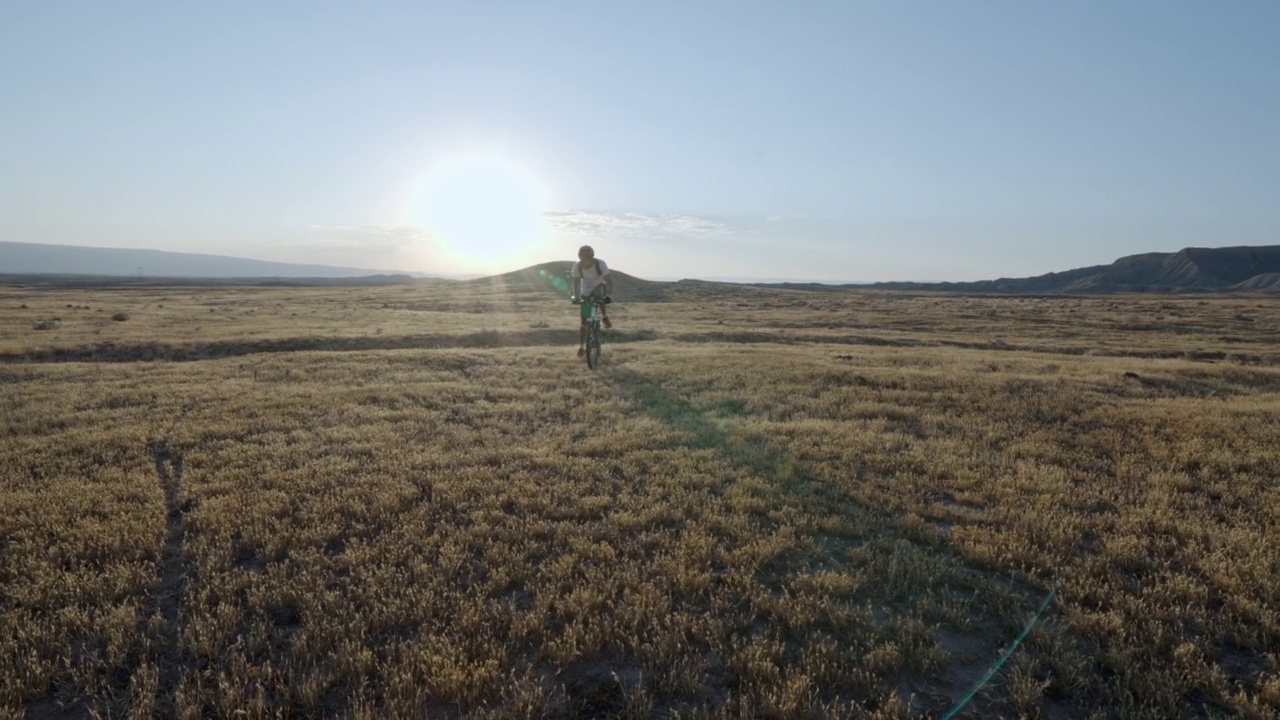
(557, 282)
(484, 213)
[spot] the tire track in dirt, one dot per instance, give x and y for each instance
(212, 350)
(490, 339)
(172, 571)
(172, 574)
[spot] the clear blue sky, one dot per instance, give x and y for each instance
(839, 141)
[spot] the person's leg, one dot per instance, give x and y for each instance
(583, 313)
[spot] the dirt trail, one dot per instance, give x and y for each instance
(172, 574)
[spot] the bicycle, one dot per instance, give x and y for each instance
(597, 299)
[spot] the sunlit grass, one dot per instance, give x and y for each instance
(774, 503)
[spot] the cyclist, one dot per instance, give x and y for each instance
(589, 273)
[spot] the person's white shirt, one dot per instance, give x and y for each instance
(592, 277)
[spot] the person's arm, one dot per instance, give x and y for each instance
(577, 287)
(608, 278)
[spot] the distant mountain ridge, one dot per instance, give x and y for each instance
(18, 258)
(1224, 269)
(1230, 268)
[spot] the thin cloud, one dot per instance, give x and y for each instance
(688, 225)
(632, 225)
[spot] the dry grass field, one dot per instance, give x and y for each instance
(415, 501)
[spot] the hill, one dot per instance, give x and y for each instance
(17, 258)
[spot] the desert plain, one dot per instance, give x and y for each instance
(415, 501)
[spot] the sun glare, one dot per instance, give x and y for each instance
(485, 213)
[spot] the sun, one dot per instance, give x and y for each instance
(484, 213)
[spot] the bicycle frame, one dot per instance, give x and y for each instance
(593, 329)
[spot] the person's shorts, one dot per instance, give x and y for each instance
(585, 307)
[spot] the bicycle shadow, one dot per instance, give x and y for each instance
(760, 456)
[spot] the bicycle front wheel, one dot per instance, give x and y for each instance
(593, 347)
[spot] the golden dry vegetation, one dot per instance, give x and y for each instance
(414, 501)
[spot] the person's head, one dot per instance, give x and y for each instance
(585, 253)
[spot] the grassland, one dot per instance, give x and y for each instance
(416, 502)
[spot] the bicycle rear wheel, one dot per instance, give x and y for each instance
(593, 346)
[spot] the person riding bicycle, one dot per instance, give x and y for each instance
(589, 273)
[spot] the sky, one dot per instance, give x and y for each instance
(844, 141)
